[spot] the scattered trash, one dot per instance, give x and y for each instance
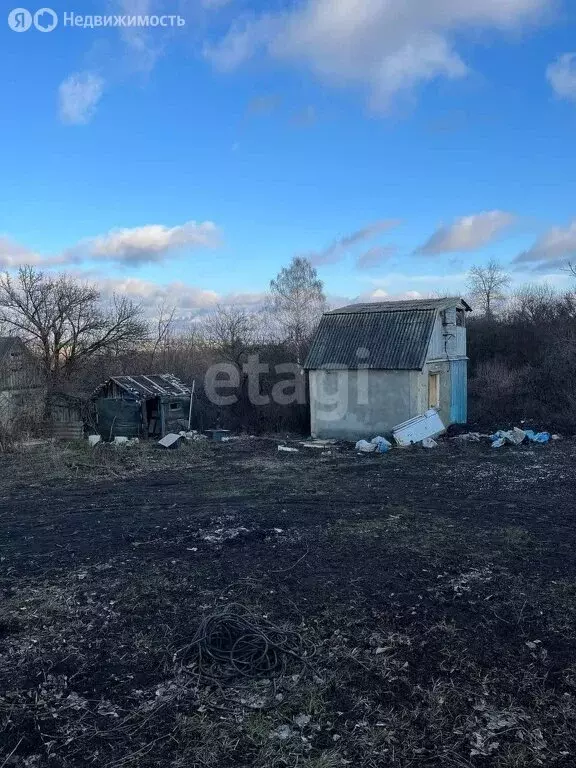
(428, 442)
(286, 449)
(517, 436)
(94, 440)
(219, 435)
(420, 427)
(318, 444)
(557, 437)
(382, 445)
(539, 437)
(120, 440)
(365, 447)
(469, 437)
(170, 440)
(192, 435)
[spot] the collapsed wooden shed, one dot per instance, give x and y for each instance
(142, 406)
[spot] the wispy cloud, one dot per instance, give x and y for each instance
(338, 248)
(468, 233)
(552, 250)
(562, 76)
(384, 46)
(375, 256)
(78, 97)
(130, 51)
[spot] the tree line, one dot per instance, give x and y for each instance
(522, 343)
(522, 350)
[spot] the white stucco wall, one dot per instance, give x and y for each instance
(352, 405)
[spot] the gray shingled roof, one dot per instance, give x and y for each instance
(395, 335)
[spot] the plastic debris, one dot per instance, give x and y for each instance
(382, 445)
(120, 440)
(517, 436)
(557, 437)
(512, 437)
(286, 449)
(94, 440)
(170, 440)
(537, 437)
(365, 447)
(428, 442)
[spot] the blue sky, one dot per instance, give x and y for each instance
(395, 142)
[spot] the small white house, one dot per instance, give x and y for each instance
(373, 366)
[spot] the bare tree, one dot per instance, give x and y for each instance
(65, 320)
(298, 301)
(487, 286)
(164, 326)
(535, 303)
(232, 330)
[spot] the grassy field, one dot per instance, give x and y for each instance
(229, 605)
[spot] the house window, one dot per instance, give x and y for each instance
(434, 390)
(460, 318)
(174, 406)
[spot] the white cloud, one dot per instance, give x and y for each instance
(151, 244)
(145, 245)
(379, 294)
(241, 41)
(338, 248)
(189, 300)
(468, 233)
(13, 254)
(553, 249)
(144, 47)
(78, 97)
(562, 76)
(373, 257)
(386, 46)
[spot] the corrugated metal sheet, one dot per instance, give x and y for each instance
(118, 418)
(393, 340)
(145, 386)
(402, 306)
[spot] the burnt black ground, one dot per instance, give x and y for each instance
(438, 586)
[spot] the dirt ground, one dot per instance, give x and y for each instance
(429, 599)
